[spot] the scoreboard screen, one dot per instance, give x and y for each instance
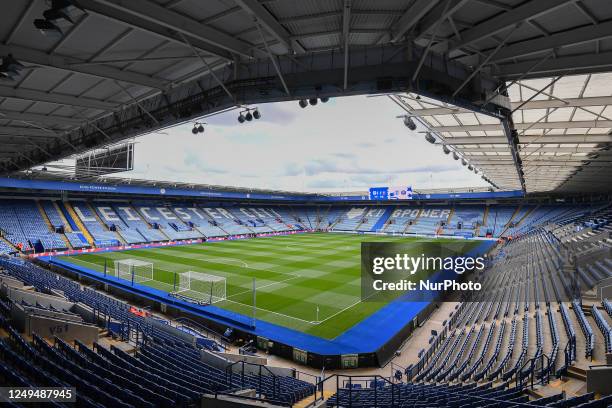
(391, 193)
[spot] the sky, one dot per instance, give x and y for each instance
(346, 144)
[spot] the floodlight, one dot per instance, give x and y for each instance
(241, 118)
(313, 101)
(409, 123)
(48, 28)
(445, 149)
(249, 116)
(455, 156)
(256, 114)
(464, 162)
(325, 99)
(430, 138)
(201, 128)
(194, 130)
(10, 67)
(470, 168)
(303, 103)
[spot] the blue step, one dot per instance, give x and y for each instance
(383, 219)
(64, 211)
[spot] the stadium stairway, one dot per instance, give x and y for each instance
(47, 221)
(511, 220)
(448, 220)
(77, 221)
(382, 221)
(68, 226)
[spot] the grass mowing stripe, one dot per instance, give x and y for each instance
(294, 274)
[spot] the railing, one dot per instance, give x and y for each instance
(207, 331)
(414, 369)
(347, 383)
(569, 354)
(538, 368)
(261, 369)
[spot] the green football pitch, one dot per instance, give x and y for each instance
(307, 282)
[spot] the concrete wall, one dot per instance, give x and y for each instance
(598, 380)
(242, 357)
(65, 330)
(221, 361)
(19, 295)
(13, 283)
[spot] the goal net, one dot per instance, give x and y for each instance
(202, 287)
(134, 270)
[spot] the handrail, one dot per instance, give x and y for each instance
(195, 325)
(230, 369)
(373, 379)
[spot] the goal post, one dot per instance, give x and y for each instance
(202, 287)
(134, 270)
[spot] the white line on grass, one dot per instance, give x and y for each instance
(270, 311)
(218, 260)
(265, 286)
(345, 309)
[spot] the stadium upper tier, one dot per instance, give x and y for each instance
(43, 225)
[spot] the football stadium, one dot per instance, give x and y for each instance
(306, 203)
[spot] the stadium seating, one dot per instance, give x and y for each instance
(466, 220)
(429, 221)
(533, 313)
(351, 219)
(166, 371)
(496, 220)
(168, 222)
(133, 221)
(23, 224)
(100, 233)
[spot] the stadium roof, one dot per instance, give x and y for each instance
(564, 127)
(126, 67)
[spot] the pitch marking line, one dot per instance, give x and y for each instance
(265, 286)
(269, 311)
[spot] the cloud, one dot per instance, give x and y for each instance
(350, 144)
(193, 160)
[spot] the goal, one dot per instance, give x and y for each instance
(202, 287)
(134, 270)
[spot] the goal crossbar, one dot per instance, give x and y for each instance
(203, 287)
(134, 270)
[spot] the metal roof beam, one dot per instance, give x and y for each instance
(151, 27)
(410, 18)
(60, 99)
(501, 22)
(529, 125)
(270, 23)
(161, 16)
(534, 104)
(545, 149)
(25, 131)
(564, 39)
(38, 118)
(36, 57)
(548, 139)
(574, 64)
(440, 12)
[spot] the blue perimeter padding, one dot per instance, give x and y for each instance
(367, 336)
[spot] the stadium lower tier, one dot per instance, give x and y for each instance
(547, 326)
(44, 225)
